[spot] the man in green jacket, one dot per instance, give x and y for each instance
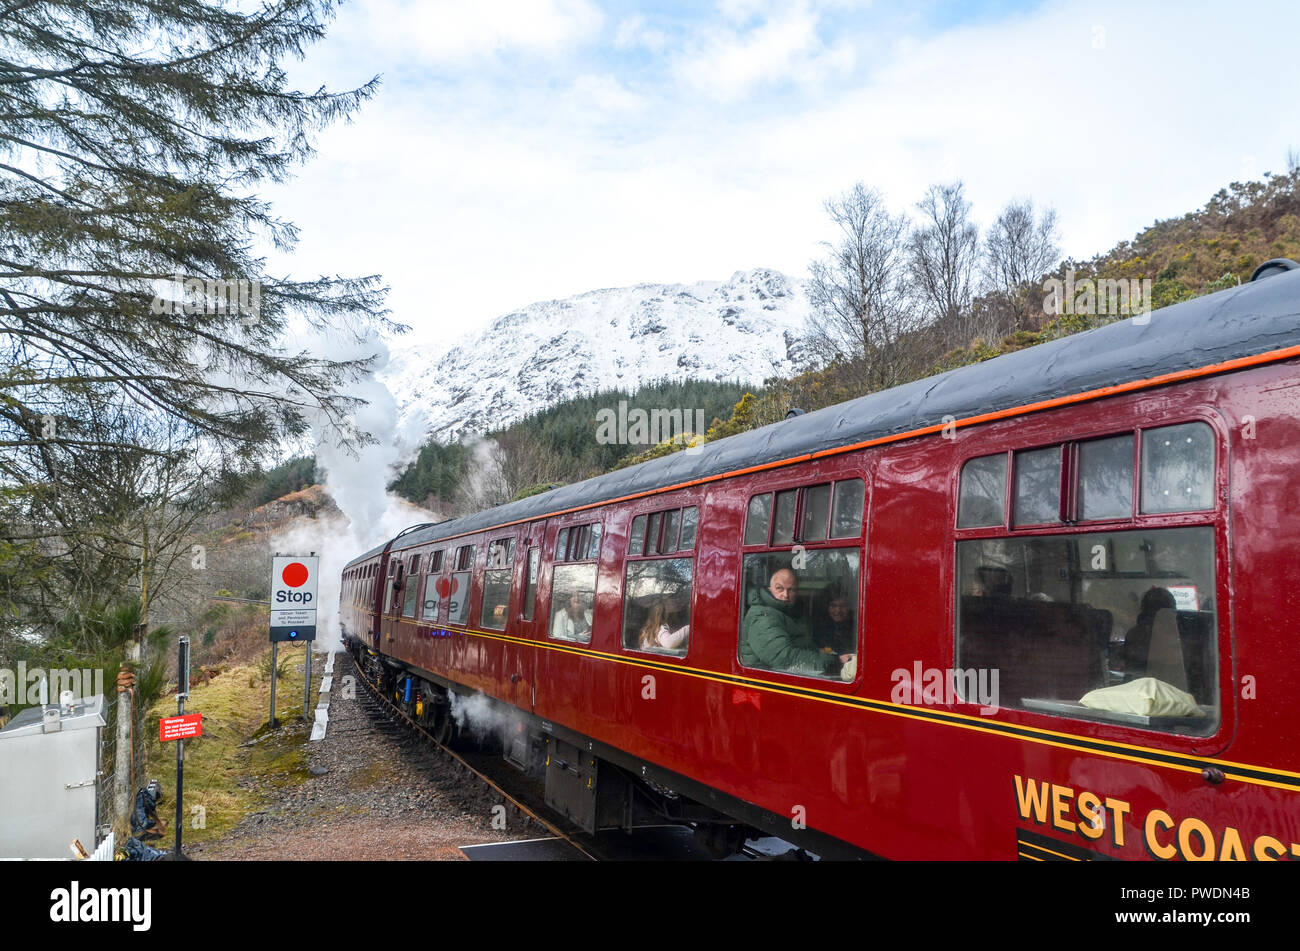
(772, 637)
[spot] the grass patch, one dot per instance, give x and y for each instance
(226, 778)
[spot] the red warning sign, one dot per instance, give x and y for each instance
(180, 728)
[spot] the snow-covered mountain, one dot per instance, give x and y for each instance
(743, 329)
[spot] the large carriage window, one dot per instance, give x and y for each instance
(573, 593)
(657, 605)
(412, 583)
(1178, 468)
(1061, 617)
(432, 595)
(799, 612)
(458, 598)
(496, 584)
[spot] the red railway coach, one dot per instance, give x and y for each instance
(1041, 607)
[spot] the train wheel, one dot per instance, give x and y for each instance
(444, 729)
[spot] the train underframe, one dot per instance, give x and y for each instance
(597, 787)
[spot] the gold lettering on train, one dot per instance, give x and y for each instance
(1165, 836)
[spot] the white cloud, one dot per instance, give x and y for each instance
(727, 64)
(635, 32)
(479, 197)
(452, 31)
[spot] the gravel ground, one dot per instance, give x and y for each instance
(376, 793)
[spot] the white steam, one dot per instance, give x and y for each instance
(356, 479)
(480, 717)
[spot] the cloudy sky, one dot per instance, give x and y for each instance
(523, 150)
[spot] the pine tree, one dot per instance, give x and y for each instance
(134, 135)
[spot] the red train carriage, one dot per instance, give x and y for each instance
(1041, 607)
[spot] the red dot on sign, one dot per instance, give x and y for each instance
(294, 574)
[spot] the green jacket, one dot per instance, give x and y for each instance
(772, 637)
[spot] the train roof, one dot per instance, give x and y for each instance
(1255, 318)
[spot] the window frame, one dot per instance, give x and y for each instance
(858, 543)
(819, 480)
(1139, 420)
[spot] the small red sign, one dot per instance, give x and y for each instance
(180, 728)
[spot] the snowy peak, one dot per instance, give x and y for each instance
(742, 329)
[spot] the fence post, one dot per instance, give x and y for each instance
(122, 757)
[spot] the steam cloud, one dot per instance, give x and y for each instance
(356, 481)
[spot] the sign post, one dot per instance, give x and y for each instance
(177, 728)
(293, 613)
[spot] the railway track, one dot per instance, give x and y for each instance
(394, 722)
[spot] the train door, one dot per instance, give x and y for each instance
(521, 661)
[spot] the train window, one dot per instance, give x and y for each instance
(801, 620)
(846, 512)
(432, 601)
(573, 592)
(657, 605)
(499, 553)
(653, 524)
(1058, 617)
(690, 517)
(465, 558)
(636, 539)
(496, 584)
(412, 590)
(783, 521)
(579, 543)
(668, 538)
(982, 502)
(1178, 468)
(1106, 478)
(816, 512)
(458, 598)
(391, 583)
(435, 562)
(758, 519)
(530, 592)
(1038, 486)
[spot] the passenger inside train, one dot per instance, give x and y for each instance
(775, 633)
(657, 605)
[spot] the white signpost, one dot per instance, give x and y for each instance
(293, 612)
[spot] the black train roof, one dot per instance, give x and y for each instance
(1244, 321)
